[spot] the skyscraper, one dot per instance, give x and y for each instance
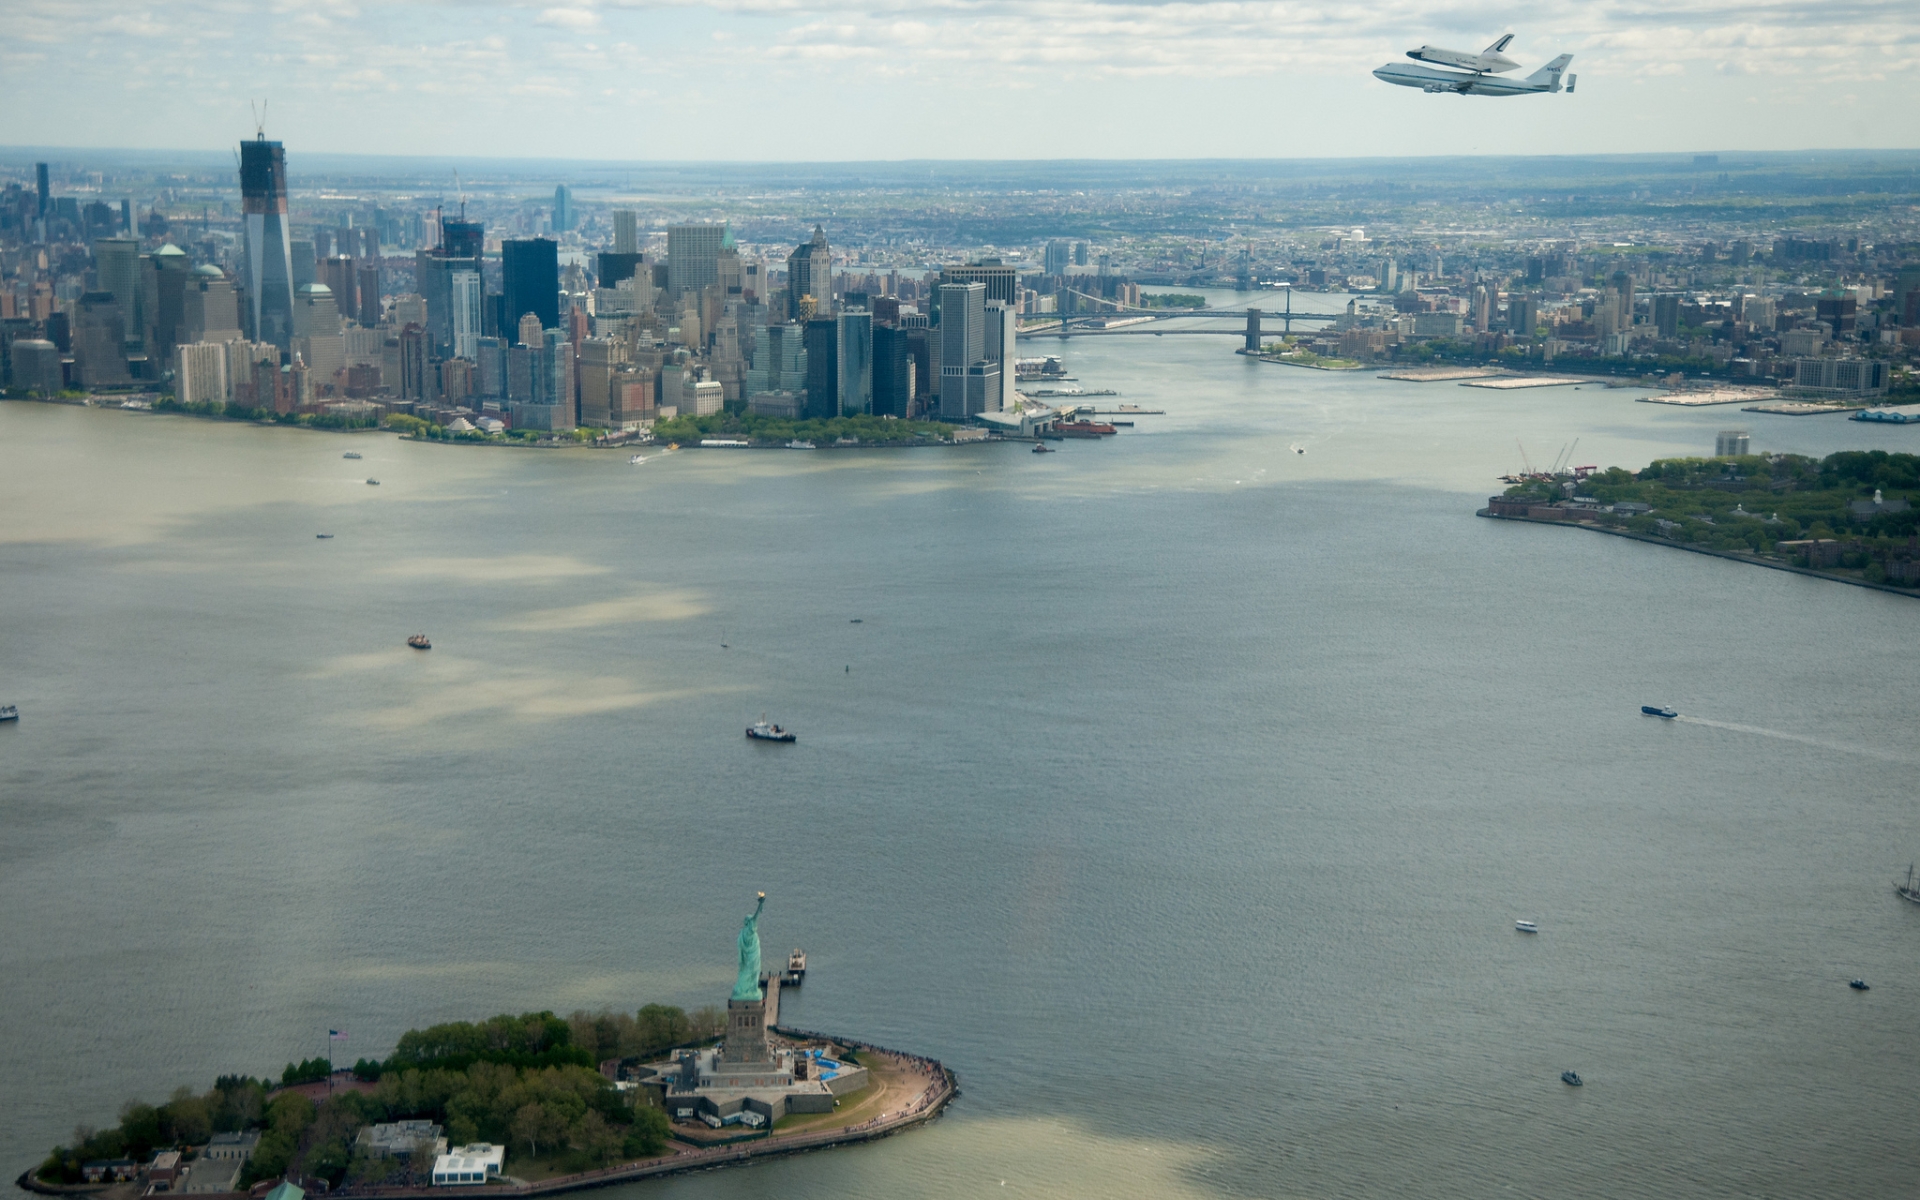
(963, 320)
(461, 245)
(626, 231)
(530, 279)
(1055, 261)
(563, 214)
(465, 295)
(810, 273)
(854, 351)
(116, 263)
(693, 253)
(892, 372)
(269, 265)
(46, 193)
(822, 340)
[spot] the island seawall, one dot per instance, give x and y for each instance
(940, 1089)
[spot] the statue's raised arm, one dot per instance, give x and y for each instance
(747, 986)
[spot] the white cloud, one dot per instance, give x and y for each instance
(570, 18)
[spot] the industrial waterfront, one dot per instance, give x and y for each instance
(1138, 754)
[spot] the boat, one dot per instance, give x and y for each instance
(636, 460)
(1654, 710)
(1083, 429)
(1571, 1079)
(373, 483)
(796, 969)
(323, 536)
(1526, 927)
(1907, 890)
(760, 731)
(800, 444)
(351, 454)
(419, 642)
(1858, 985)
(1043, 448)
(9, 712)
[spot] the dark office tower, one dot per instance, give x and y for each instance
(530, 280)
(810, 273)
(269, 268)
(822, 342)
(338, 273)
(616, 266)
(886, 310)
(892, 373)
(369, 282)
(40, 179)
(854, 349)
(1055, 261)
(1666, 315)
(563, 214)
(126, 215)
(1623, 283)
(1079, 254)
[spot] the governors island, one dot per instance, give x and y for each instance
(533, 1104)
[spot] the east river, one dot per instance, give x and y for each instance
(1179, 791)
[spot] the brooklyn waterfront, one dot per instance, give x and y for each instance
(1179, 791)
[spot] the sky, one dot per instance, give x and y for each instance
(815, 80)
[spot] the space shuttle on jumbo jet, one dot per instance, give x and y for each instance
(1481, 72)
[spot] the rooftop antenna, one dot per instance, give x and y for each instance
(461, 192)
(259, 120)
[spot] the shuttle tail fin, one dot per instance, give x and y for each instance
(1549, 75)
(1500, 46)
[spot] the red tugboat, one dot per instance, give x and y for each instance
(419, 642)
(1084, 429)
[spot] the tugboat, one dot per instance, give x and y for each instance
(1654, 710)
(1858, 985)
(760, 731)
(351, 454)
(1042, 448)
(1571, 1079)
(1907, 890)
(9, 712)
(373, 483)
(419, 642)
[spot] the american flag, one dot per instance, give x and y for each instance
(336, 1035)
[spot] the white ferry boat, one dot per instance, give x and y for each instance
(1526, 927)
(761, 731)
(799, 444)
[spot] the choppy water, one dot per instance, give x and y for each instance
(1179, 791)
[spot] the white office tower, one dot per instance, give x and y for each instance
(1729, 442)
(1002, 323)
(201, 376)
(466, 298)
(626, 231)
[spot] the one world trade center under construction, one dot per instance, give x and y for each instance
(269, 278)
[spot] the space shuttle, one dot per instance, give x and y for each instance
(1489, 60)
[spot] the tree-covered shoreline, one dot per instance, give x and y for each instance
(529, 1082)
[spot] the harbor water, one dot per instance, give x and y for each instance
(1179, 790)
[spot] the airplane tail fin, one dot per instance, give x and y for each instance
(1550, 74)
(1499, 46)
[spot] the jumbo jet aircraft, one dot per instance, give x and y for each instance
(1480, 74)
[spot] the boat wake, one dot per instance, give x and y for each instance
(1803, 739)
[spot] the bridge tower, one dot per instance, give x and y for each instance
(1253, 329)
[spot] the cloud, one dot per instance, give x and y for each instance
(570, 18)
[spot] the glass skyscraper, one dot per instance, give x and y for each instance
(269, 266)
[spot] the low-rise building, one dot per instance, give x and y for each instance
(164, 1170)
(232, 1147)
(109, 1170)
(468, 1165)
(399, 1138)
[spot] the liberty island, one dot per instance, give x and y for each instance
(759, 1090)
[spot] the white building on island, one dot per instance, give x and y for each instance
(476, 1163)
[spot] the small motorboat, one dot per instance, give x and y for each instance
(636, 460)
(1654, 710)
(1858, 985)
(853, 620)
(419, 642)
(351, 454)
(323, 536)
(1526, 927)
(761, 731)
(373, 483)
(1571, 1079)
(9, 712)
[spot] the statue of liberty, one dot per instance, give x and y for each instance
(747, 986)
